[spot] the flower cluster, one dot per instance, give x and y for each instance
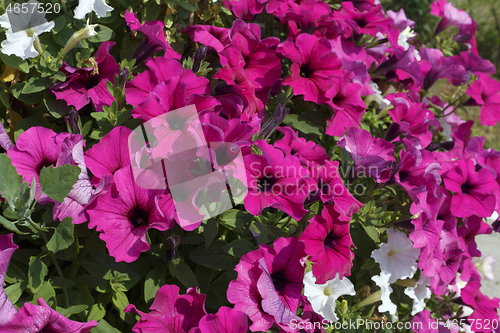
(214, 171)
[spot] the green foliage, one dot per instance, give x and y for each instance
(56, 183)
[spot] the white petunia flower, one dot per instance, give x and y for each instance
(323, 296)
(382, 281)
(382, 102)
(406, 34)
(486, 266)
(397, 257)
(419, 293)
(23, 29)
(86, 6)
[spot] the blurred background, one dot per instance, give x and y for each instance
(486, 13)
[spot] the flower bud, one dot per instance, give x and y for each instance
(84, 33)
(277, 117)
(200, 54)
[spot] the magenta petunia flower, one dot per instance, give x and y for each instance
(368, 22)
(171, 312)
(226, 320)
(42, 318)
(473, 191)
(400, 19)
(371, 156)
(485, 91)
(292, 144)
(36, 148)
(153, 41)
(442, 67)
(7, 248)
(275, 181)
(348, 107)
(89, 83)
(474, 63)
(110, 154)
(314, 67)
(327, 186)
(328, 243)
(403, 60)
(450, 15)
(472, 227)
(125, 218)
(427, 225)
(485, 308)
(245, 9)
(269, 284)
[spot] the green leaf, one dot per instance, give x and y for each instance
(210, 231)
(97, 312)
(31, 121)
(61, 283)
(183, 273)
(104, 327)
(186, 5)
(72, 310)
(103, 35)
(305, 126)
(56, 183)
(9, 225)
(15, 62)
(46, 292)
(96, 247)
(4, 94)
(154, 280)
(213, 257)
(120, 300)
(14, 274)
(238, 247)
(15, 291)
(36, 274)
(10, 181)
(236, 219)
(36, 84)
(372, 232)
(62, 237)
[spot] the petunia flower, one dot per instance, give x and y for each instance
(401, 22)
(125, 218)
(22, 34)
(275, 181)
(226, 320)
(36, 148)
(245, 9)
(171, 312)
(89, 83)
(371, 156)
(485, 91)
(485, 265)
(382, 281)
(403, 60)
(450, 15)
(153, 41)
(86, 6)
(473, 191)
(42, 318)
(7, 248)
(442, 67)
(323, 296)
(314, 66)
(419, 293)
(397, 257)
(328, 243)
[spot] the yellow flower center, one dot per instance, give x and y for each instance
(30, 32)
(327, 291)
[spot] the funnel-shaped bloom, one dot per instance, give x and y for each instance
(171, 312)
(314, 66)
(450, 15)
(473, 191)
(371, 156)
(442, 67)
(89, 83)
(403, 60)
(485, 91)
(42, 318)
(86, 6)
(226, 320)
(328, 243)
(126, 217)
(7, 248)
(153, 41)
(485, 309)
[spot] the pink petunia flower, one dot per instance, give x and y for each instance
(125, 217)
(153, 41)
(485, 91)
(245, 9)
(328, 243)
(485, 309)
(171, 312)
(442, 67)
(275, 181)
(7, 248)
(368, 22)
(226, 320)
(89, 83)
(473, 191)
(314, 67)
(450, 15)
(42, 318)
